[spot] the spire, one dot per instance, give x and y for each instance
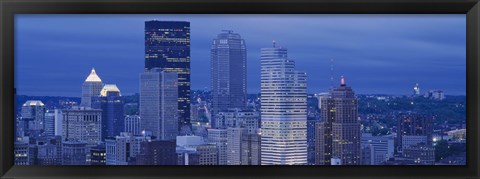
(342, 81)
(93, 77)
(331, 73)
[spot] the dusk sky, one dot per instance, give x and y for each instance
(377, 54)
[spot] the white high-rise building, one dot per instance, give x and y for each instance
(91, 88)
(283, 109)
(159, 103)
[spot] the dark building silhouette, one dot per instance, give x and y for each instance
(188, 159)
(49, 150)
(420, 154)
(167, 46)
(98, 155)
(414, 128)
(157, 152)
(311, 129)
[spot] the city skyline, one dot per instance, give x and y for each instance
(167, 124)
(441, 68)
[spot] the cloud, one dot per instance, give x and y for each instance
(385, 53)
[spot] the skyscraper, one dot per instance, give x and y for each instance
(338, 134)
(283, 109)
(158, 103)
(229, 72)
(83, 125)
(90, 88)
(110, 101)
(167, 46)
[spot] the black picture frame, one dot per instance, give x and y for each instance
(8, 9)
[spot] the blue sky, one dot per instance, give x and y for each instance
(377, 54)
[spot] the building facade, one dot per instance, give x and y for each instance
(218, 137)
(49, 150)
(132, 124)
(123, 149)
(195, 146)
(234, 145)
(82, 124)
(379, 148)
(251, 153)
(236, 117)
(74, 153)
(159, 103)
(157, 152)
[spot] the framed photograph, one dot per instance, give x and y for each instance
(224, 88)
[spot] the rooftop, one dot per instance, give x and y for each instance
(93, 77)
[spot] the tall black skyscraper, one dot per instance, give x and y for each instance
(167, 46)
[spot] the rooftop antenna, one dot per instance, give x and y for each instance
(331, 73)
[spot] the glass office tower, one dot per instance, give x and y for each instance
(229, 73)
(167, 46)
